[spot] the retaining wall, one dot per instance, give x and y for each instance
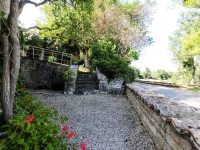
(39, 74)
(173, 125)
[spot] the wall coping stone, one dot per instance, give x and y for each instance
(184, 118)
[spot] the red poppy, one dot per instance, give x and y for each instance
(22, 89)
(70, 134)
(30, 119)
(64, 128)
(83, 146)
(28, 98)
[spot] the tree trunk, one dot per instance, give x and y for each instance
(15, 49)
(193, 75)
(85, 56)
(5, 96)
(7, 109)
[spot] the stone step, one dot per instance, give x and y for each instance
(87, 82)
(86, 92)
(84, 86)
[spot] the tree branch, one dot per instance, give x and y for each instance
(24, 2)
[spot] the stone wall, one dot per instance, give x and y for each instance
(40, 74)
(173, 125)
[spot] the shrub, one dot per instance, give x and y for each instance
(35, 126)
(51, 59)
(67, 74)
(105, 57)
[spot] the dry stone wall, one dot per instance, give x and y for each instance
(173, 125)
(42, 74)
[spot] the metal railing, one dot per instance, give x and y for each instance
(46, 54)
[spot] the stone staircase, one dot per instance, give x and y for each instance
(86, 83)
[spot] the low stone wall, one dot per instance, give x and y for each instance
(39, 74)
(173, 125)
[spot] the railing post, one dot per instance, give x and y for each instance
(71, 59)
(23, 51)
(33, 52)
(62, 58)
(43, 54)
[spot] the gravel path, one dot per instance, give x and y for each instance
(105, 122)
(188, 97)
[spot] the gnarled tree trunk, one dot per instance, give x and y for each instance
(5, 97)
(15, 49)
(85, 56)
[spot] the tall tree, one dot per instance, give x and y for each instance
(120, 22)
(184, 43)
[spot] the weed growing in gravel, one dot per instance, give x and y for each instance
(35, 126)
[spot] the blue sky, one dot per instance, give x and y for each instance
(155, 57)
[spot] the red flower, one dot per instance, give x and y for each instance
(28, 98)
(64, 128)
(83, 146)
(28, 91)
(43, 112)
(70, 134)
(30, 119)
(22, 89)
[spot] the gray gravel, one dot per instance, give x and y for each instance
(188, 97)
(105, 122)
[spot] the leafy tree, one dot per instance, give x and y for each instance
(147, 73)
(161, 74)
(105, 57)
(184, 43)
(125, 24)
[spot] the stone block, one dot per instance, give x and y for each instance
(166, 126)
(176, 136)
(158, 118)
(185, 144)
(166, 146)
(172, 143)
(160, 131)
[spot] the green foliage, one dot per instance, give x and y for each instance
(34, 126)
(184, 43)
(191, 3)
(68, 74)
(104, 57)
(51, 59)
(77, 61)
(196, 89)
(3, 21)
(147, 73)
(161, 74)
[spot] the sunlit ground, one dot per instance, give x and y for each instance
(82, 69)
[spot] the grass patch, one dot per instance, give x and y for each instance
(196, 89)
